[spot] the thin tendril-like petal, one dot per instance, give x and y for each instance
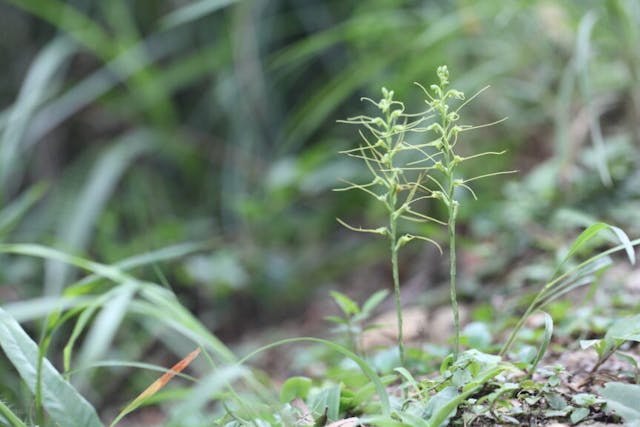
(425, 217)
(409, 237)
(359, 187)
(475, 178)
(352, 185)
(435, 181)
(380, 230)
(358, 156)
(466, 187)
(484, 125)
(486, 153)
(426, 197)
(471, 98)
(426, 92)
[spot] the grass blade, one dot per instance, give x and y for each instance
(79, 26)
(193, 11)
(11, 214)
(168, 253)
(546, 340)
(76, 229)
(37, 86)
(106, 324)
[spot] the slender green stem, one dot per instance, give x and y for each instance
(396, 285)
(6, 412)
(452, 280)
(453, 212)
(452, 207)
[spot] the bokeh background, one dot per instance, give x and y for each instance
(129, 126)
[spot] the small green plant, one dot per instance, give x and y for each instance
(354, 317)
(404, 173)
(584, 273)
(622, 330)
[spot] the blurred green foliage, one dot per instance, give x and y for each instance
(127, 126)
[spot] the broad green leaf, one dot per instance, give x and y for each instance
(295, 387)
(440, 400)
(346, 304)
(336, 319)
(408, 378)
(627, 329)
(327, 399)
(556, 401)
(579, 414)
(585, 399)
(374, 300)
(623, 400)
(584, 344)
(413, 420)
(383, 421)
(62, 402)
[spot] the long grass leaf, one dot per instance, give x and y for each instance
(77, 227)
(591, 232)
(37, 308)
(116, 71)
(582, 52)
(38, 86)
(193, 11)
(11, 214)
(106, 363)
(39, 251)
(546, 340)
(67, 18)
(106, 324)
(168, 253)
